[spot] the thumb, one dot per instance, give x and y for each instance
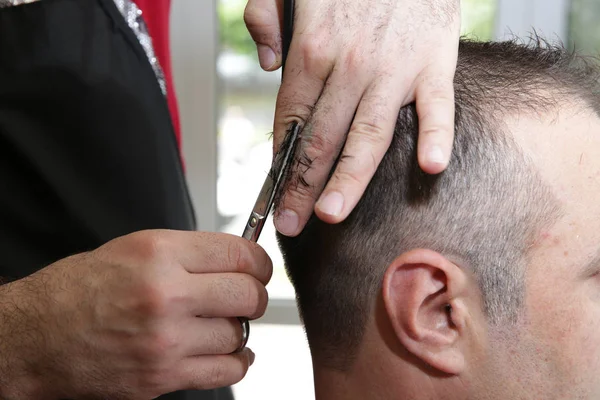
(263, 20)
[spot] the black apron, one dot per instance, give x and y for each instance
(87, 149)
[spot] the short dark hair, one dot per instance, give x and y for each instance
(483, 210)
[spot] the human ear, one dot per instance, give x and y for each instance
(425, 299)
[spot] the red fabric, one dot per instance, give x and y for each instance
(156, 14)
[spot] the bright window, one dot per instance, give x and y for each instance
(477, 18)
(584, 29)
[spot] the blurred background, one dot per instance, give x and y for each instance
(227, 106)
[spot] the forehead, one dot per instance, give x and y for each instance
(564, 146)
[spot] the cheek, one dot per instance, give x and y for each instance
(580, 354)
(582, 331)
(594, 289)
(589, 328)
(565, 325)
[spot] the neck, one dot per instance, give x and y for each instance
(337, 385)
(372, 378)
(376, 376)
(374, 385)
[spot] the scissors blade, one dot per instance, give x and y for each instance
(270, 189)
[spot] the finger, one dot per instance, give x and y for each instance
(308, 65)
(228, 253)
(322, 139)
(196, 252)
(211, 336)
(263, 20)
(207, 252)
(227, 295)
(369, 138)
(435, 108)
(210, 372)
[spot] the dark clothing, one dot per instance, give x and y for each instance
(87, 148)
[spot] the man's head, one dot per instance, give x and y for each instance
(484, 278)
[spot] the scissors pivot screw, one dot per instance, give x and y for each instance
(253, 222)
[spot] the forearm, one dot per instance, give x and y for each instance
(17, 378)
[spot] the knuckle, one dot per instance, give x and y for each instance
(445, 95)
(266, 270)
(436, 98)
(151, 246)
(348, 177)
(317, 58)
(370, 132)
(233, 292)
(245, 294)
(240, 372)
(235, 255)
(150, 356)
(164, 342)
(436, 114)
(300, 192)
(251, 15)
(260, 260)
(433, 132)
(255, 298)
(293, 107)
(254, 16)
(319, 146)
(158, 245)
(438, 87)
(249, 295)
(262, 301)
(221, 343)
(154, 350)
(217, 375)
(153, 299)
(153, 382)
(354, 173)
(352, 60)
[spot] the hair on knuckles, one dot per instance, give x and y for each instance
(483, 210)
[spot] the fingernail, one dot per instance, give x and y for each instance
(436, 155)
(287, 222)
(251, 356)
(266, 56)
(332, 204)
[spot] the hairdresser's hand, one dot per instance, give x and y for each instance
(144, 315)
(352, 65)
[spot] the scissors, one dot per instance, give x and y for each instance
(272, 184)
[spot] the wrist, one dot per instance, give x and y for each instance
(17, 379)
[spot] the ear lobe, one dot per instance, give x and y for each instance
(422, 294)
